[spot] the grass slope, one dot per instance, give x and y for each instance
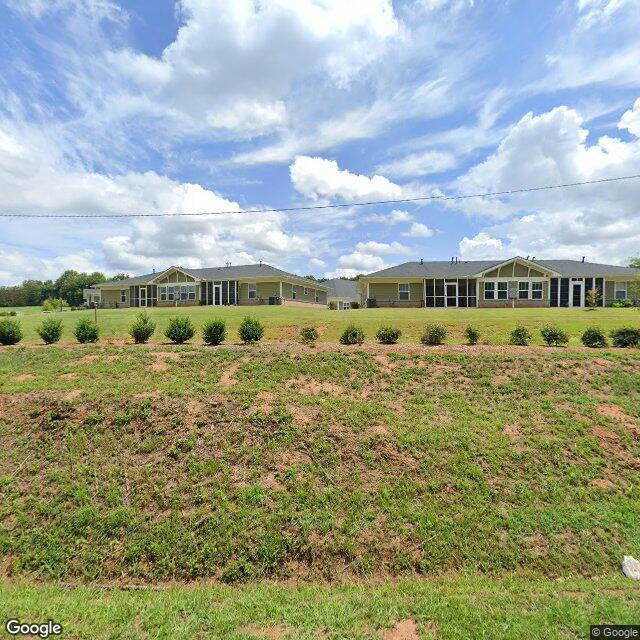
(283, 323)
(147, 464)
(468, 607)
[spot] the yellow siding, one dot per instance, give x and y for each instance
(111, 296)
(389, 291)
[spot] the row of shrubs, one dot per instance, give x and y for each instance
(181, 329)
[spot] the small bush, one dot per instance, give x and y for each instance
(251, 330)
(10, 332)
(50, 330)
(554, 337)
(86, 331)
(54, 304)
(180, 329)
(594, 337)
(625, 337)
(214, 331)
(472, 334)
(355, 305)
(388, 335)
(142, 329)
(309, 335)
(433, 334)
(333, 305)
(352, 335)
(520, 336)
(622, 304)
(8, 313)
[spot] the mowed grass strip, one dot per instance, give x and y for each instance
(146, 464)
(284, 323)
(471, 607)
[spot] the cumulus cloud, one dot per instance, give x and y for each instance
(419, 164)
(319, 177)
(600, 221)
(382, 248)
(237, 78)
(631, 120)
(419, 230)
(394, 217)
(481, 247)
(361, 262)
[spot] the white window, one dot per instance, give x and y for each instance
(536, 290)
(253, 294)
(503, 290)
(192, 292)
(621, 290)
(184, 292)
(123, 295)
(170, 293)
(403, 292)
(489, 290)
(163, 293)
(523, 290)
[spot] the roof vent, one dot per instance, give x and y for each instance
(421, 261)
(583, 258)
(528, 257)
(533, 258)
(260, 262)
(452, 259)
(155, 270)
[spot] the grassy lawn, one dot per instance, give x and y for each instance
(447, 490)
(469, 607)
(283, 323)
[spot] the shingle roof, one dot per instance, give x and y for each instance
(237, 272)
(340, 288)
(464, 268)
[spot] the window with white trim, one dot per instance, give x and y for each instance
(620, 290)
(523, 290)
(503, 290)
(123, 295)
(536, 290)
(253, 291)
(403, 291)
(489, 290)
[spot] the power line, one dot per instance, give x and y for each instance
(441, 198)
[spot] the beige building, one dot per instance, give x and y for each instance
(517, 282)
(247, 284)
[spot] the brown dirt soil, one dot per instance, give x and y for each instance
(402, 630)
(88, 359)
(314, 387)
(23, 377)
(228, 377)
(161, 360)
(613, 412)
(68, 376)
(264, 402)
(72, 395)
(265, 633)
(602, 483)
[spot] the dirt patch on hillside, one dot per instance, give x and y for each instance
(402, 630)
(601, 483)
(228, 378)
(161, 360)
(265, 633)
(23, 377)
(192, 410)
(72, 395)
(309, 386)
(264, 401)
(614, 412)
(68, 376)
(88, 359)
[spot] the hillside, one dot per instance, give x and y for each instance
(130, 464)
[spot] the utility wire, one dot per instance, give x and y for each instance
(488, 194)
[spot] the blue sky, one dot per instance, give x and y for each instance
(209, 105)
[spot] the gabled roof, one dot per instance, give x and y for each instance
(472, 268)
(237, 272)
(339, 288)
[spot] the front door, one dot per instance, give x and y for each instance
(143, 296)
(577, 294)
(451, 294)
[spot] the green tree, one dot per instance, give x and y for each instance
(71, 283)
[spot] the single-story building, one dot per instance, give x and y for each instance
(245, 284)
(91, 297)
(343, 292)
(517, 282)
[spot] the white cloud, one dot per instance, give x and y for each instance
(341, 273)
(419, 230)
(317, 263)
(419, 164)
(361, 262)
(597, 11)
(382, 248)
(481, 247)
(94, 9)
(319, 177)
(631, 119)
(601, 221)
(394, 217)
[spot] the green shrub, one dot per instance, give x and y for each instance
(333, 305)
(472, 334)
(352, 335)
(624, 303)
(54, 304)
(520, 336)
(355, 305)
(388, 335)
(214, 331)
(50, 330)
(180, 329)
(10, 331)
(251, 330)
(86, 331)
(554, 337)
(594, 337)
(142, 329)
(309, 335)
(625, 337)
(8, 313)
(433, 334)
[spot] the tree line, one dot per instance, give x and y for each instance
(67, 287)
